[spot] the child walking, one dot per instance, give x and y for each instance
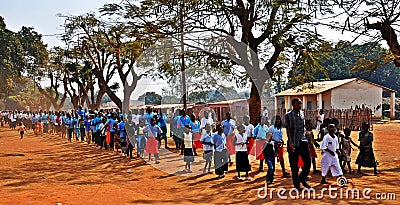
(330, 156)
(152, 143)
(345, 146)
(21, 130)
(311, 142)
(140, 138)
(208, 147)
(269, 155)
(220, 154)
(277, 133)
(260, 133)
(242, 158)
(228, 125)
(366, 157)
(188, 148)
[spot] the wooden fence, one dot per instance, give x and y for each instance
(352, 118)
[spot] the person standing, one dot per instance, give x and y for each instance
(260, 133)
(21, 130)
(220, 154)
(277, 133)
(297, 144)
(330, 156)
(366, 157)
(112, 128)
(208, 147)
(242, 157)
(320, 119)
(249, 129)
(195, 128)
(188, 148)
(228, 125)
(265, 115)
(162, 123)
(152, 130)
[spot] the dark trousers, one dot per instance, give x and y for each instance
(303, 151)
(271, 168)
(93, 136)
(70, 130)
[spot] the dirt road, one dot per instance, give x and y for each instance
(50, 170)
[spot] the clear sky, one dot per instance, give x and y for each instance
(42, 14)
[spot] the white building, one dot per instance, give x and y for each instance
(338, 94)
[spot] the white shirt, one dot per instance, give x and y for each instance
(188, 140)
(241, 139)
(330, 143)
(135, 119)
(249, 130)
(205, 137)
(205, 121)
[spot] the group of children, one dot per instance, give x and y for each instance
(219, 141)
(337, 147)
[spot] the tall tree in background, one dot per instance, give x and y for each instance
(269, 28)
(378, 20)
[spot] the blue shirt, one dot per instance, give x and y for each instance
(44, 119)
(148, 117)
(183, 121)
(219, 142)
(81, 113)
(195, 126)
(162, 120)
(260, 132)
(96, 123)
(153, 131)
(52, 118)
(121, 129)
(87, 124)
(111, 122)
(228, 126)
(277, 133)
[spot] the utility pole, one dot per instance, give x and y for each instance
(183, 74)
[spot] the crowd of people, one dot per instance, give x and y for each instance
(218, 141)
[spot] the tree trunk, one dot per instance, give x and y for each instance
(389, 35)
(254, 104)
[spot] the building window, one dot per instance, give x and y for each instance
(323, 104)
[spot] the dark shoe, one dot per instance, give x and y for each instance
(285, 175)
(324, 182)
(360, 172)
(305, 184)
(270, 182)
(376, 173)
(316, 172)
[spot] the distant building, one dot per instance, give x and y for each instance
(338, 94)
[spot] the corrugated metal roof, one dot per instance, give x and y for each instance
(320, 87)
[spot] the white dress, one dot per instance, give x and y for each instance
(329, 162)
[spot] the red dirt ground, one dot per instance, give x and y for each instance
(56, 171)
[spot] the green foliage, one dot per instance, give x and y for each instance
(368, 61)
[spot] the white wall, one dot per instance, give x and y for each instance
(357, 93)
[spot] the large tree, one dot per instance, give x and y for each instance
(269, 28)
(375, 19)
